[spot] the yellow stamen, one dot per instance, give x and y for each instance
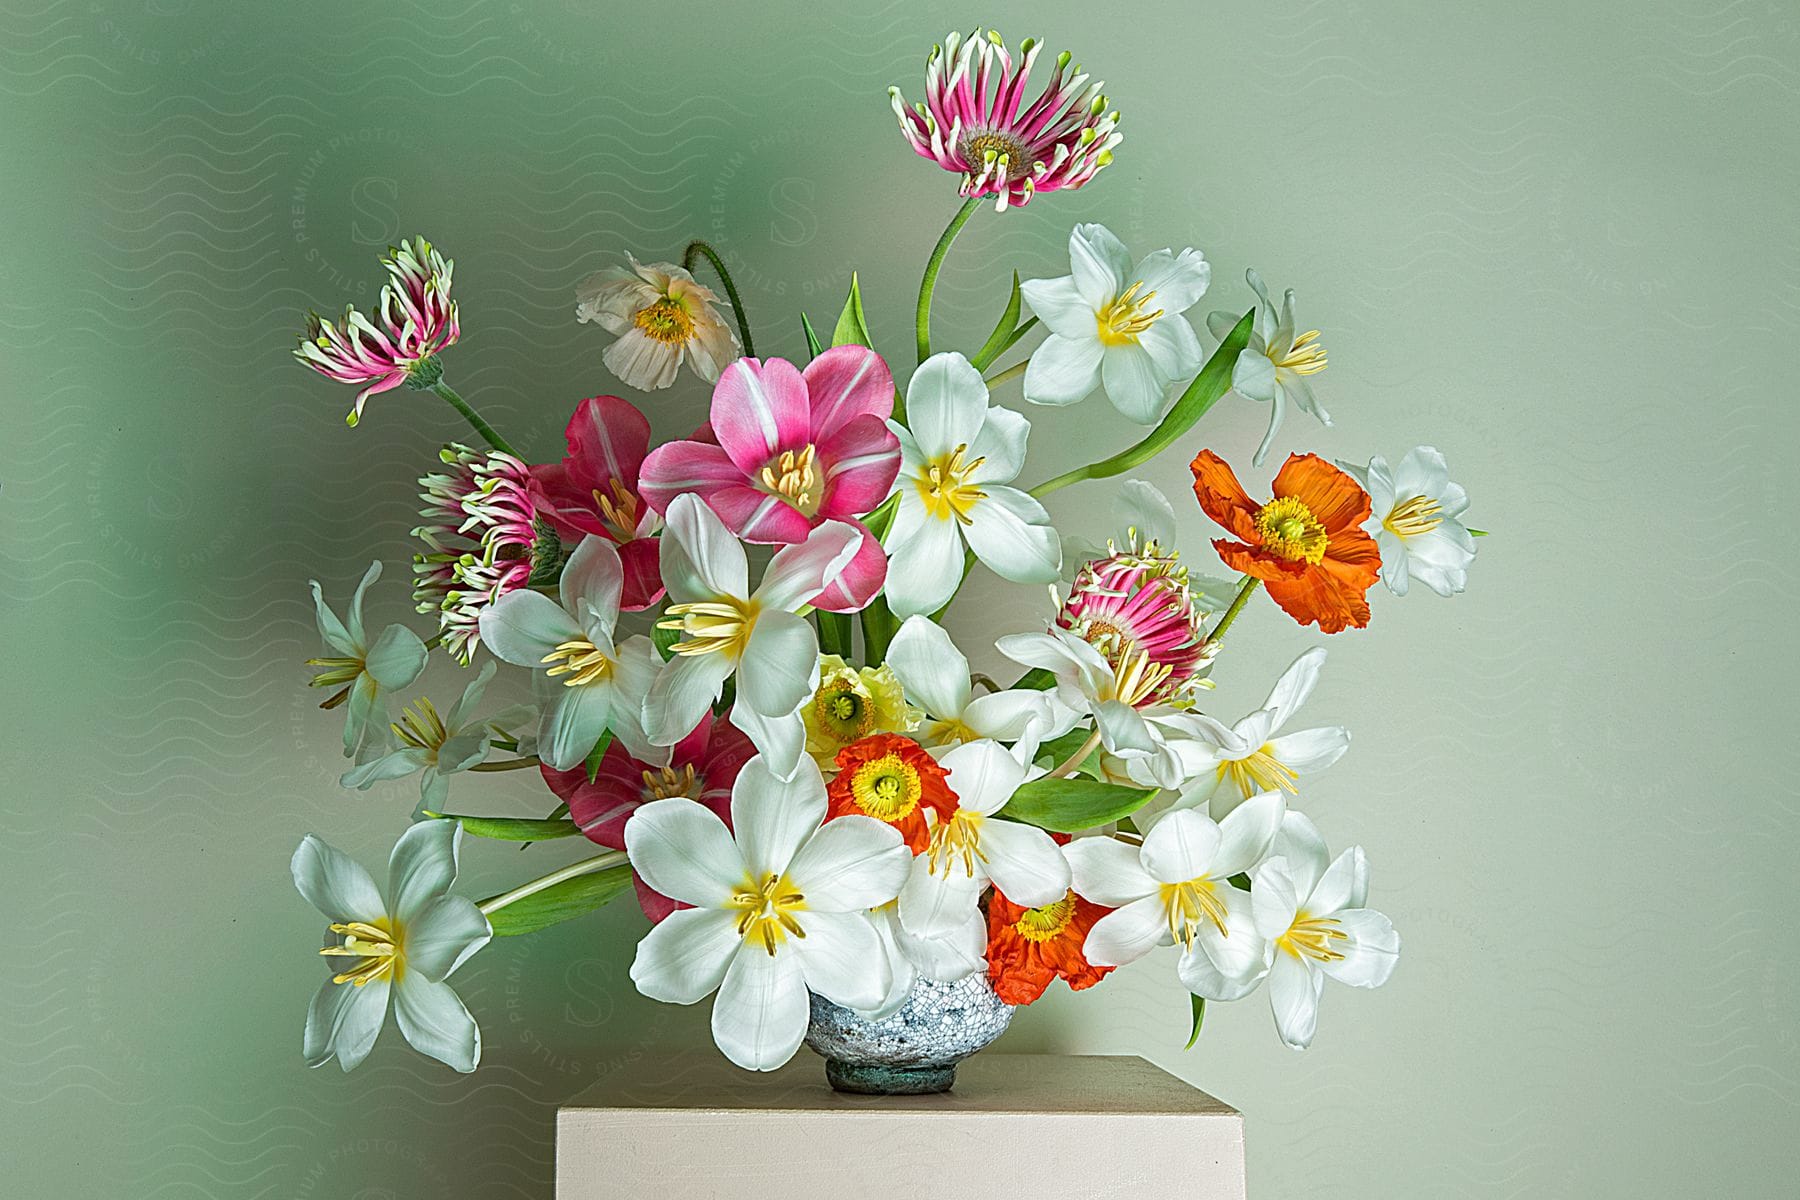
(958, 839)
(1311, 937)
(336, 671)
(1191, 905)
(420, 726)
(1289, 529)
(1135, 679)
(1305, 356)
(1046, 922)
(1414, 517)
(620, 510)
(886, 789)
(668, 782)
(377, 947)
(579, 659)
(1124, 319)
(1259, 772)
(794, 476)
(946, 488)
(768, 908)
(667, 321)
(713, 626)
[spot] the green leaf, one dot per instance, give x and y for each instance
(1199, 1007)
(510, 829)
(852, 329)
(1038, 679)
(1478, 533)
(560, 901)
(664, 640)
(596, 754)
(556, 814)
(1072, 805)
(1003, 329)
(1240, 881)
(834, 632)
(812, 338)
(1059, 748)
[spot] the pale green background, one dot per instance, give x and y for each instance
(1557, 240)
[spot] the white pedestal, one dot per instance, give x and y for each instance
(1025, 1126)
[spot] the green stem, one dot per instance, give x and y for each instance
(510, 764)
(473, 418)
(1011, 373)
(922, 320)
(696, 248)
(587, 866)
(1237, 605)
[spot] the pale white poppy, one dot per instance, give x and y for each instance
(663, 318)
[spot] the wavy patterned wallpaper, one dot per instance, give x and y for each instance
(1556, 240)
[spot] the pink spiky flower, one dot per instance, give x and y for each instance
(414, 321)
(1135, 608)
(483, 539)
(974, 120)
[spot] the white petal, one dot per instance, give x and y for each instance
(1174, 347)
(1178, 280)
(1303, 849)
(1200, 976)
(343, 1021)
(1133, 383)
(681, 694)
(851, 864)
(1063, 370)
(1127, 934)
(1181, 846)
(1239, 950)
(1024, 862)
(842, 959)
(396, 659)
(699, 557)
(573, 721)
(1011, 533)
(684, 956)
(1100, 264)
(956, 955)
(1005, 716)
(442, 937)
(1253, 377)
(1310, 750)
(762, 1010)
(925, 569)
(780, 665)
(1108, 872)
(334, 883)
(984, 776)
(1124, 731)
(1246, 833)
(1140, 506)
(938, 904)
(523, 627)
(781, 741)
(682, 849)
(999, 448)
(634, 672)
(594, 577)
(434, 1022)
(772, 818)
(930, 667)
(798, 573)
(945, 403)
(1370, 952)
(1060, 305)
(1294, 995)
(1345, 884)
(1274, 900)
(1295, 685)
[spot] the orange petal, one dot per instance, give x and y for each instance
(1222, 497)
(1320, 597)
(1251, 560)
(1334, 497)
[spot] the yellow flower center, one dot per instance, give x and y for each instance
(579, 659)
(713, 626)
(945, 732)
(667, 321)
(887, 788)
(1414, 517)
(956, 840)
(796, 478)
(619, 510)
(1289, 529)
(1121, 321)
(1311, 937)
(1005, 153)
(1259, 772)
(1043, 924)
(842, 707)
(668, 782)
(420, 726)
(1193, 904)
(376, 945)
(768, 907)
(1304, 357)
(946, 488)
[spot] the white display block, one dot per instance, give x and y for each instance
(1024, 1126)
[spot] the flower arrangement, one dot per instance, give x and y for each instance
(747, 692)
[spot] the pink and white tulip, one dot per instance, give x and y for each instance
(794, 449)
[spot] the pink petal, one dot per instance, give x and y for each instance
(759, 409)
(860, 461)
(568, 506)
(846, 382)
(856, 586)
(680, 467)
(643, 574)
(656, 906)
(608, 438)
(601, 808)
(757, 516)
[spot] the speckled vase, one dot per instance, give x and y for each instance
(915, 1051)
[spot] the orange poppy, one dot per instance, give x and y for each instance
(892, 779)
(1307, 544)
(1029, 947)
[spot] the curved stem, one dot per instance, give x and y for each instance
(474, 418)
(1011, 373)
(697, 248)
(1061, 481)
(510, 764)
(922, 320)
(1074, 760)
(587, 866)
(1237, 605)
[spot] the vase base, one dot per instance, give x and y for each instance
(876, 1079)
